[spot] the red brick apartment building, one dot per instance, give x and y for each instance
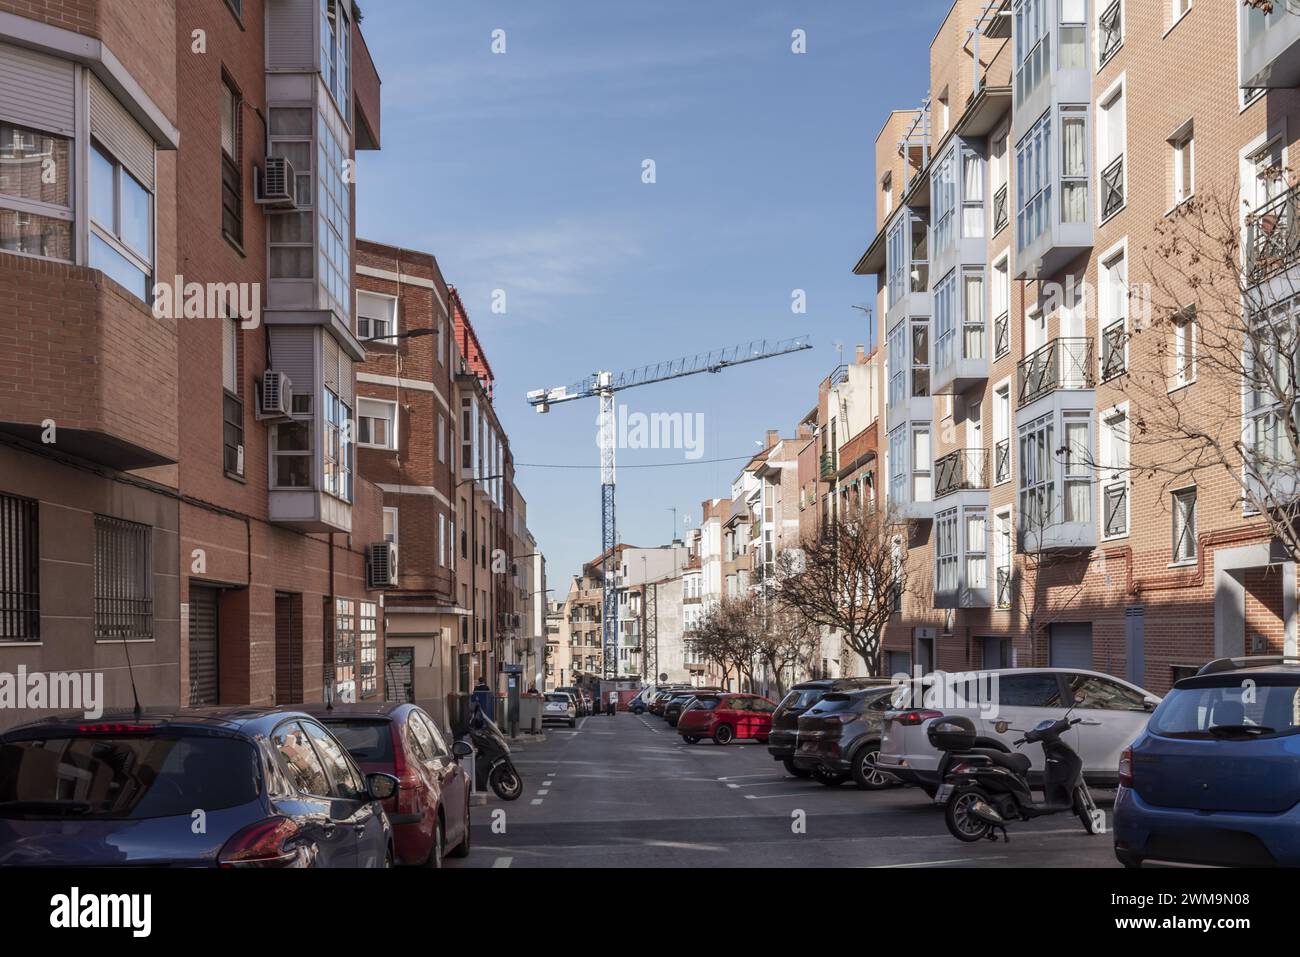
(185, 489)
(430, 440)
(1054, 142)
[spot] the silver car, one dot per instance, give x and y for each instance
(560, 707)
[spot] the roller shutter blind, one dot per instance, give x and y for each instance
(113, 126)
(37, 90)
(204, 669)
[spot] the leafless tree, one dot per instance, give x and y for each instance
(848, 578)
(786, 642)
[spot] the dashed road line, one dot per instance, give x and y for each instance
(502, 862)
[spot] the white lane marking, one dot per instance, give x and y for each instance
(502, 862)
(536, 801)
(582, 721)
(646, 725)
(767, 784)
(542, 792)
(951, 860)
(547, 784)
(738, 777)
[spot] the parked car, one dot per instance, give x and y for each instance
(276, 788)
(588, 702)
(641, 702)
(673, 709)
(660, 701)
(430, 812)
(579, 702)
(724, 717)
(839, 738)
(1114, 712)
(783, 738)
(1215, 777)
(559, 706)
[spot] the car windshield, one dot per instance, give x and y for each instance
(1263, 706)
(365, 740)
(126, 776)
(559, 698)
(801, 698)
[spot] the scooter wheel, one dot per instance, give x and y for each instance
(962, 824)
(1083, 808)
(505, 781)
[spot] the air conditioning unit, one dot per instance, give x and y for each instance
(276, 399)
(381, 565)
(277, 186)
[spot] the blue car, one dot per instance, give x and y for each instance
(210, 787)
(1215, 777)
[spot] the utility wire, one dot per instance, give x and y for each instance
(621, 466)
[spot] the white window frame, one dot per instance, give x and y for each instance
(1183, 351)
(1100, 7)
(1106, 278)
(367, 333)
(1004, 547)
(1113, 473)
(391, 513)
(1105, 155)
(362, 402)
(1175, 498)
(1183, 144)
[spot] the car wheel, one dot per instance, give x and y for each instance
(794, 769)
(439, 845)
(388, 858)
(866, 775)
(462, 849)
(1128, 858)
(723, 735)
(832, 779)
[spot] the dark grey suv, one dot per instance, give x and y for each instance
(783, 741)
(839, 738)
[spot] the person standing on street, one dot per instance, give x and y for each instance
(613, 703)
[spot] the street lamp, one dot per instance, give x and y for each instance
(408, 334)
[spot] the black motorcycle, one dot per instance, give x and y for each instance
(987, 788)
(491, 748)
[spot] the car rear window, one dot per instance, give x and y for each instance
(801, 698)
(558, 697)
(706, 704)
(838, 701)
(366, 741)
(129, 776)
(1266, 706)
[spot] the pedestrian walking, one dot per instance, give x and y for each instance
(613, 703)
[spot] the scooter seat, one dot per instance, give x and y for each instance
(1019, 763)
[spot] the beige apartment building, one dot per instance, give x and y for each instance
(1019, 216)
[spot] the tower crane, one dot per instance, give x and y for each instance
(603, 386)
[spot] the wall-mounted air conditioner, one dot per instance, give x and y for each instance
(276, 399)
(381, 565)
(277, 186)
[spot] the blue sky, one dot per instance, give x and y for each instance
(522, 172)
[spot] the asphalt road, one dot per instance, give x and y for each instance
(627, 791)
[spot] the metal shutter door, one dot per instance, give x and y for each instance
(204, 673)
(1071, 646)
(399, 675)
(113, 126)
(288, 649)
(37, 90)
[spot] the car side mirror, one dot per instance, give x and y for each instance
(1149, 704)
(461, 749)
(381, 786)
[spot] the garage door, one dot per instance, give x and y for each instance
(1071, 645)
(399, 674)
(204, 670)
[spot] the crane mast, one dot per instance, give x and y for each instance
(604, 386)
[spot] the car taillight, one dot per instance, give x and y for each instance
(1126, 768)
(263, 845)
(913, 718)
(114, 728)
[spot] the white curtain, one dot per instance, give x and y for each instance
(974, 317)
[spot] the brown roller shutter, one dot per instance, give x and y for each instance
(288, 649)
(204, 661)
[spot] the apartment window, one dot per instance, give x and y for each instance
(376, 315)
(232, 176)
(20, 565)
(1074, 164)
(123, 579)
(377, 424)
(945, 321)
(1179, 9)
(1113, 314)
(338, 447)
(1003, 544)
(945, 114)
(1111, 135)
(1078, 469)
(1002, 434)
(121, 218)
(289, 234)
(345, 650)
(887, 193)
(1110, 31)
(1037, 485)
(975, 523)
(945, 551)
(1271, 361)
(897, 348)
(336, 53)
(1183, 351)
(442, 351)
(896, 251)
(232, 406)
(920, 359)
(1114, 449)
(1184, 509)
(944, 197)
(442, 540)
(1033, 182)
(998, 178)
(1033, 45)
(1074, 35)
(973, 314)
(898, 464)
(390, 525)
(1000, 295)
(368, 648)
(334, 199)
(35, 215)
(442, 438)
(922, 464)
(972, 195)
(1183, 146)
(919, 270)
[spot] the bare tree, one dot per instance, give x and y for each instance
(849, 579)
(786, 642)
(728, 636)
(1222, 312)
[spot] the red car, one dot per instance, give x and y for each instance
(430, 812)
(723, 717)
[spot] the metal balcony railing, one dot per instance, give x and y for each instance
(1001, 335)
(1112, 187)
(839, 374)
(962, 470)
(1061, 364)
(1110, 34)
(1272, 238)
(1000, 213)
(1116, 505)
(1004, 588)
(1002, 462)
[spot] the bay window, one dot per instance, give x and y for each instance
(338, 447)
(1033, 182)
(1074, 164)
(972, 195)
(121, 220)
(36, 217)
